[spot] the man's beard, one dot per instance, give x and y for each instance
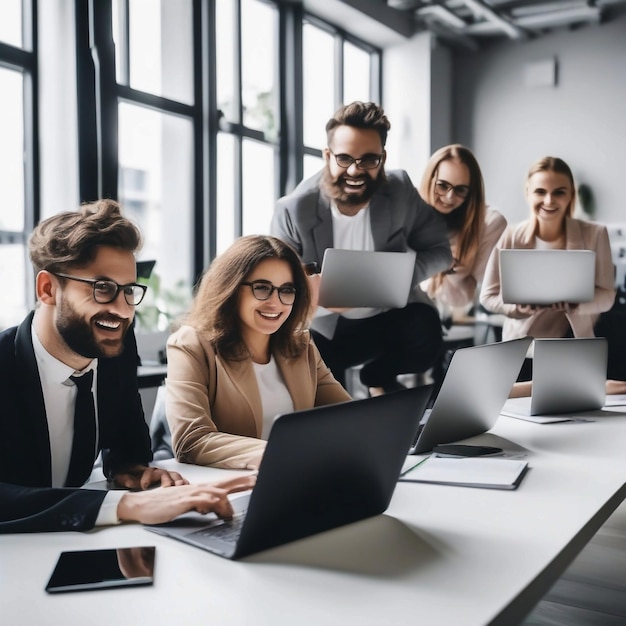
(79, 336)
(334, 187)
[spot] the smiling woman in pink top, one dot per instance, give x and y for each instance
(453, 184)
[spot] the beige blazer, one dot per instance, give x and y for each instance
(580, 235)
(214, 407)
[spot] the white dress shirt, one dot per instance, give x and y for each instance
(59, 395)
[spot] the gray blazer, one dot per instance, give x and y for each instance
(400, 219)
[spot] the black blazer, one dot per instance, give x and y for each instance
(28, 503)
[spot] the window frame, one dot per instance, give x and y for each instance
(24, 60)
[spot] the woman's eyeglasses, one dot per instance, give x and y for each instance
(443, 188)
(263, 290)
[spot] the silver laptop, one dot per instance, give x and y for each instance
(547, 276)
(569, 376)
(364, 278)
(322, 468)
(474, 390)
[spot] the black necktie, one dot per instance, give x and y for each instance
(84, 442)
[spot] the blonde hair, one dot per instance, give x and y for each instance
(466, 221)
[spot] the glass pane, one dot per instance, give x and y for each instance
(356, 82)
(160, 54)
(258, 187)
(225, 58)
(311, 165)
(11, 22)
(258, 60)
(12, 151)
(156, 191)
(226, 169)
(318, 78)
(13, 281)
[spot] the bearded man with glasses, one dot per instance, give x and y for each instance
(68, 383)
(352, 203)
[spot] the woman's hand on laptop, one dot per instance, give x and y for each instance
(163, 504)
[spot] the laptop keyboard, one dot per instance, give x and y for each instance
(226, 531)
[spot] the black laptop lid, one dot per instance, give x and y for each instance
(330, 466)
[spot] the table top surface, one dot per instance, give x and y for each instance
(439, 555)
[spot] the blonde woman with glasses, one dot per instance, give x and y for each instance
(453, 184)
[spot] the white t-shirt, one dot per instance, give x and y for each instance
(354, 232)
(275, 396)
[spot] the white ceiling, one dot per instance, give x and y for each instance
(472, 22)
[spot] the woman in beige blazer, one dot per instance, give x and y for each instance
(551, 195)
(242, 356)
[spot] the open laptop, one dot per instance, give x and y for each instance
(365, 278)
(476, 385)
(569, 376)
(547, 276)
(322, 468)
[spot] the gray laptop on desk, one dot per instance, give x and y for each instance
(365, 278)
(569, 376)
(547, 276)
(474, 390)
(322, 468)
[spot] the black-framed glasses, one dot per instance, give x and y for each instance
(443, 188)
(105, 291)
(263, 290)
(366, 162)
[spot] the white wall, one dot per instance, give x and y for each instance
(582, 119)
(406, 89)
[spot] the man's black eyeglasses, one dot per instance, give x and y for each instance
(263, 290)
(105, 291)
(366, 162)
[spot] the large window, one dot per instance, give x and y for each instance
(147, 133)
(247, 100)
(154, 76)
(335, 71)
(18, 157)
(198, 114)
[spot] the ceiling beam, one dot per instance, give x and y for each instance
(480, 8)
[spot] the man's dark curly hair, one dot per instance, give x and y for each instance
(359, 115)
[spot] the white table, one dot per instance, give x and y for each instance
(441, 555)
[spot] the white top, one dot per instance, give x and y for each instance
(542, 244)
(354, 232)
(275, 396)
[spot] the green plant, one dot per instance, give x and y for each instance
(161, 306)
(586, 199)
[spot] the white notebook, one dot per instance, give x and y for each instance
(486, 473)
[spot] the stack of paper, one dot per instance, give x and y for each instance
(488, 473)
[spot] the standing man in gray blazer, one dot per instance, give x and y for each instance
(354, 204)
